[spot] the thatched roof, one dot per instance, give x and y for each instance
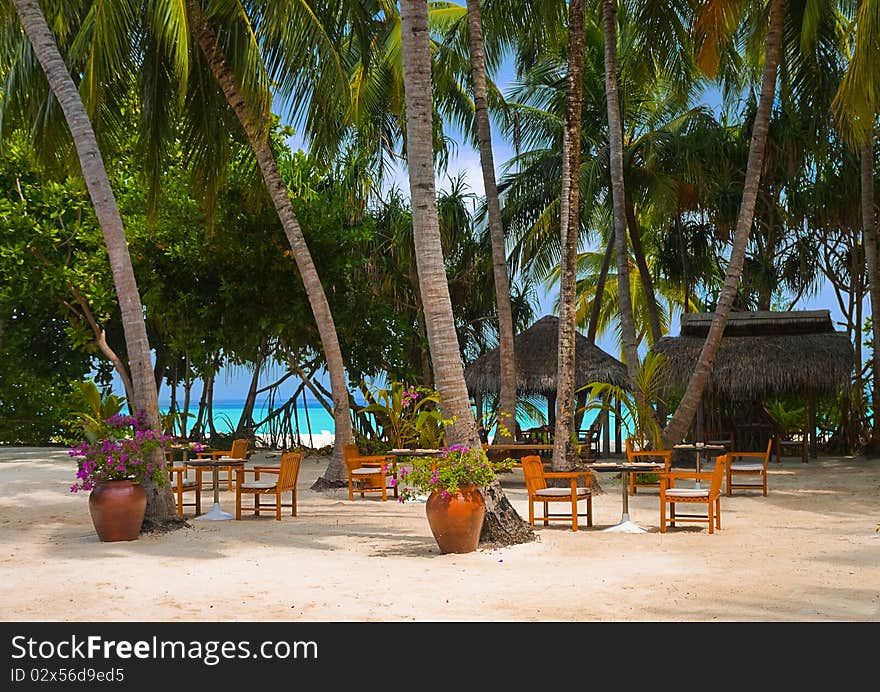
(761, 322)
(763, 354)
(535, 352)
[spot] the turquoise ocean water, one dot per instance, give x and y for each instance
(228, 411)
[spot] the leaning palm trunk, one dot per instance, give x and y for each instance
(618, 190)
(507, 391)
(869, 229)
(502, 525)
(684, 414)
(564, 453)
(635, 238)
(160, 500)
(335, 472)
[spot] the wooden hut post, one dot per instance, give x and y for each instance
(604, 426)
(551, 410)
(811, 424)
(699, 435)
(618, 442)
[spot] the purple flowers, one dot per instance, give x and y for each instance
(118, 448)
(456, 466)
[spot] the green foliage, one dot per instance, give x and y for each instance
(638, 411)
(408, 415)
(172, 421)
(118, 448)
(90, 408)
(786, 415)
(457, 466)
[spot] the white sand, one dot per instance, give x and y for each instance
(807, 552)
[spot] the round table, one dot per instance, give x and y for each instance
(216, 514)
(625, 525)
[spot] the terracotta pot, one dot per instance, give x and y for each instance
(456, 520)
(117, 509)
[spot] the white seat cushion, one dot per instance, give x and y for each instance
(560, 492)
(258, 485)
(687, 492)
(742, 466)
(366, 472)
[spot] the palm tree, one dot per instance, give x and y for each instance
(684, 413)
(255, 128)
(569, 229)
(506, 413)
(502, 522)
(618, 190)
(160, 504)
(856, 106)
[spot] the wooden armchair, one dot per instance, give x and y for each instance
(239, 450)
(536, 485)
(367, 473)
(181, 483)
(282, 479)
(708, 493)
(649, 479)
(749, 464)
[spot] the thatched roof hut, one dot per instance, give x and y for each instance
(535, 351)
(763, 354)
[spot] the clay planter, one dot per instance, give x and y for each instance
(456, 520)
(117, 509)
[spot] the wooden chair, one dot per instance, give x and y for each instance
(708, 494)
(536, 485)
(749, 464)
(648, 479)
(797, 442)
(366, 473)
(181, 483)
(239, 450)
(284, 481)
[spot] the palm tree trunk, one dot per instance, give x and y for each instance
(596, 309)
(501, 524)
(160, 500)
(507, 391)
(335, 473)
(871, 260)
(564, 450)
(635, 238)
(684, 414)
(618, 190)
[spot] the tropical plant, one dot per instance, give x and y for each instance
(507, 356)
(501, 523)
(408, 415)
(786, 415)
(569, 235)
(118, 448)
(90, 406)
(707, 41)
(456, 467)
(638, 406)
(160, 505)
(249, 98)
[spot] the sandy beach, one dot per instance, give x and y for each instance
(807, 552)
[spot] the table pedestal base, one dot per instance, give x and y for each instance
(626, 526)
(216, 514)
